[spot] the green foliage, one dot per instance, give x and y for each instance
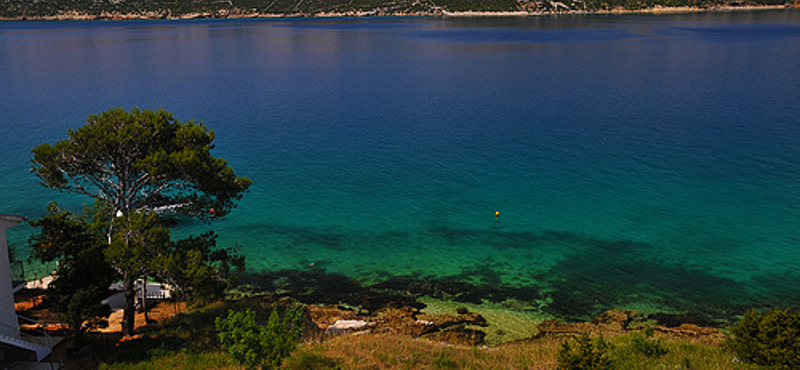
(648, 331)
(199, 271)
(192, 332)
(132, 163)
(648, 347)
(587, 355)
(771, 338)
(12, 255)
(190, 341)
(138, 240)
(140, 160)
(252, 344)
(83, 275)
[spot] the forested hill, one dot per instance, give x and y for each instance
(121, 9)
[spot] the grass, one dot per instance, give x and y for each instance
(177, 360)
(385, 352)
(397, 352)
(188, 341)
(681, 353)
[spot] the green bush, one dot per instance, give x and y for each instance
(648, 347)
(253, 345)
(771, 338)
(587, 355)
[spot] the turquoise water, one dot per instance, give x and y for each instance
(637, 162)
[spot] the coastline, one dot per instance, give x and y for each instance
(224, 14)
(654, 10)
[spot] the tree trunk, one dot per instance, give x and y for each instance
(129, 315)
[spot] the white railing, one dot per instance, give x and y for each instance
(46, 340)
(157, 294)
(41, 345)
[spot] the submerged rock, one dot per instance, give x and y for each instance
(472, 319)
(675, 320)
(614, 321)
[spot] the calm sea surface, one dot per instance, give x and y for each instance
(637, 162)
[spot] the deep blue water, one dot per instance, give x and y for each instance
(643, 162)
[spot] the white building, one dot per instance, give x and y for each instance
(13, 344)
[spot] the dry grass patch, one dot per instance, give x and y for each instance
(387, 351)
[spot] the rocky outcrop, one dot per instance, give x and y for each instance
(689, 330)
(325, 316)
(619, 320)
(348, 326)
(609, 321)
(674, 320)
(459, 329)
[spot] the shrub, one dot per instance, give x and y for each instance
(587, 355)
(648, 347)
(771, 338)
(252, 344)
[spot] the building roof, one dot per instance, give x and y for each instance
(12, 218)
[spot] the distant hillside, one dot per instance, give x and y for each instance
(119, 9)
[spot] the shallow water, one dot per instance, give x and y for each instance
(637, 162)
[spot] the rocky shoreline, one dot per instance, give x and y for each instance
(238, 14)
(468, 328)
(452, 311)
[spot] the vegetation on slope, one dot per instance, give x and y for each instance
(190, 341)
(133, 163)
(770, 338)
(217, 8)
(387, 351)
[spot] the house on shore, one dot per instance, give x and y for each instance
(14, 344)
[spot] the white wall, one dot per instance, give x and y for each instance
(8, 317)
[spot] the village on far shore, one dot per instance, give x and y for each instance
(136, 10)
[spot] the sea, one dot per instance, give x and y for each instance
(532, 167)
